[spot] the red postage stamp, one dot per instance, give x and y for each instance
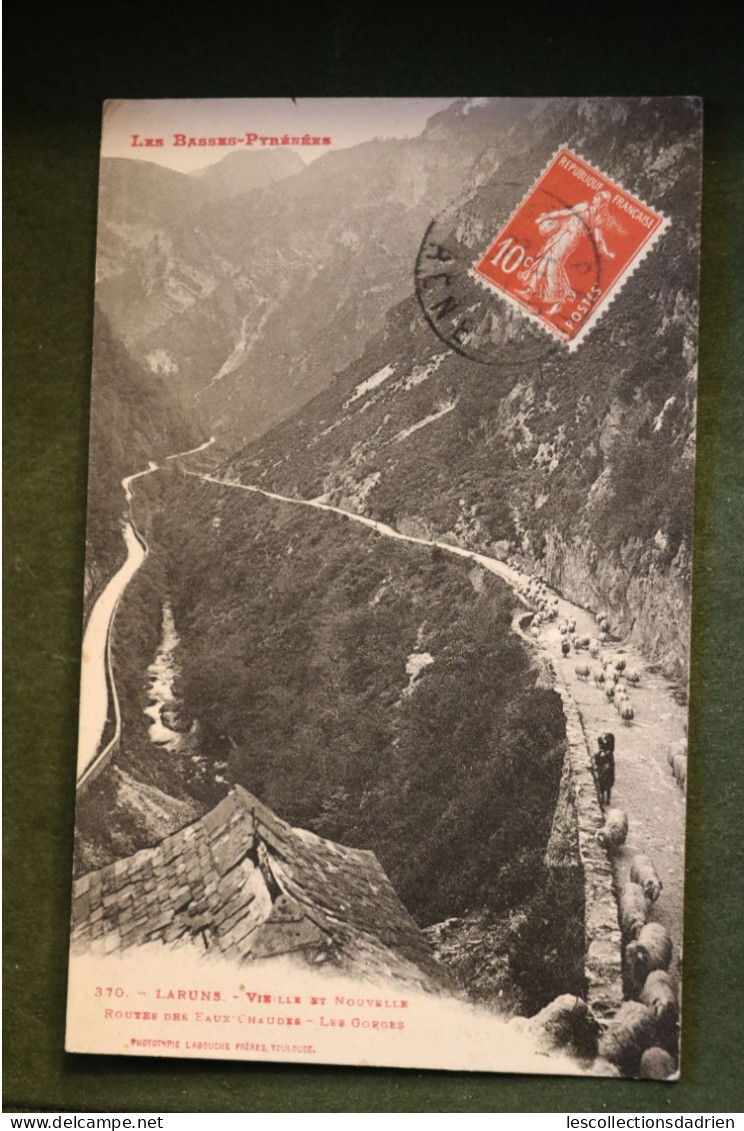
(570, 245)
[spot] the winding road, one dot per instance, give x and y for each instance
(644, 786)
(98, 697)
(96, 676)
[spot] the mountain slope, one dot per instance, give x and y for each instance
(244, 170)
(254, 300)
(580, 464)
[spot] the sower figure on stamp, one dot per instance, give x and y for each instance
(604, 766)
(546, 279)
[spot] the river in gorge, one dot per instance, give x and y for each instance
(161, 676)
(100, 718)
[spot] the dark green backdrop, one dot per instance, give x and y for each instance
(59, 68)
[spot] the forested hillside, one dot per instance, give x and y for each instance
(581, 465)
(370, 691)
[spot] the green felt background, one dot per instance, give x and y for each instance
(59, 68)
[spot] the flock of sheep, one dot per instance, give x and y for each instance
(612, 678)
(642, 1039)
(643, 1036)
(535, 592)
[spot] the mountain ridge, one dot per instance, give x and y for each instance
(579, 464)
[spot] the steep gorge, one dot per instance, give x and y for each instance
(326, 669)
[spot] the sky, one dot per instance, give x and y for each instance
(347, 121)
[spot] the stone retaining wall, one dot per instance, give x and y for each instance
(94, 769)
(572, 842)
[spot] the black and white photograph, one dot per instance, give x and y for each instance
(386, 648)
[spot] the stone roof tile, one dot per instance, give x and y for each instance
(242, 881)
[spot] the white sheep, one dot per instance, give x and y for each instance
(630, 1032)
(614, 831)
(632, 907)
(652, 950)
(675, 748)
(679, 769)
(643, 873)
(659, 995)
(657, 1064)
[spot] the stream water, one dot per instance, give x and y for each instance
(161, 676)
(99, 703)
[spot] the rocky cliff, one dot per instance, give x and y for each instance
(579, 464)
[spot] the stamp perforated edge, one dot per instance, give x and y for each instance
(601, 308)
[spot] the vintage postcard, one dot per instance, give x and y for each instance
(383, 725)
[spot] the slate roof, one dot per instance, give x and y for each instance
(244, 884)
